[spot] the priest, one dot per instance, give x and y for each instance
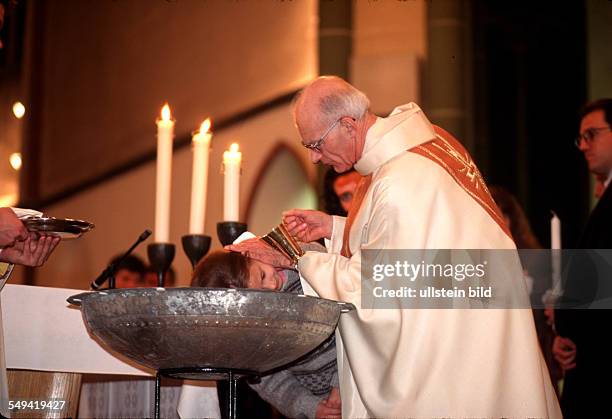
(420, 190)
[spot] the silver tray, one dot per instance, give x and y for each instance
(65, 228)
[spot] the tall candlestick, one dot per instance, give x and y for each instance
(165, 135)
(199, 177)
(231, 191)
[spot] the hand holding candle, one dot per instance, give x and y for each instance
(231, 191)
(165, 135)
(199, 178)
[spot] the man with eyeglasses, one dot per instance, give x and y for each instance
(420, 190)
(580, 348)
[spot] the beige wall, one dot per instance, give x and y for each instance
(108, 68)
(389, 45)
(283, 185)
(110, 65)
(123, 207)
(389, 27)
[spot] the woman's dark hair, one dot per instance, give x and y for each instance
(222, 269)
(519, 225)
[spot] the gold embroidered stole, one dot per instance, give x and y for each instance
(449, 154)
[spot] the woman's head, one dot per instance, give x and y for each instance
(222, 269)
(515, 218)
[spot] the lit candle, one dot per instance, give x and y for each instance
(165, 134)
(231, 197)
(555, 245)
(555, 232)
(199, 177)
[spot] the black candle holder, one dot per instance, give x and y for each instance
(195, 246)
(161, 256)
(228, 231)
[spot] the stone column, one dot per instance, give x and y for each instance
(335, 47)
(335, 37)
(448, 84)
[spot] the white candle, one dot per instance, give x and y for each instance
(165, 135)
(555, 232)
(231, 197)
(555, 245)
(199, 178)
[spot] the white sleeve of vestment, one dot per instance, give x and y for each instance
(334, 245)
(337, 277)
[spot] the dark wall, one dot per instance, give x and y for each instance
(530, 81)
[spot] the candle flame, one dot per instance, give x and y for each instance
(165, 113)
(18, 110)
(234, 148)
(205, 127)
(15, 160)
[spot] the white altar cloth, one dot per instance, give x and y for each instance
(43, 332)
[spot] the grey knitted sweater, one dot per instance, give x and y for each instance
(297, 390)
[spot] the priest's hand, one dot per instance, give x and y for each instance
(11, 228)
(33, 251)
(330, 408)
(564, 351)
(257, 249)
(308, 225)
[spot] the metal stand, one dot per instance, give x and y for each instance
(228, 231)
(160, 258)
(196, 246)
(233, 376)
(157, 393)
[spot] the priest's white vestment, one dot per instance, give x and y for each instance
(396, 363)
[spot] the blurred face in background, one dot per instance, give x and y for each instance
(345, 187)
(125, 278)
(151, 279)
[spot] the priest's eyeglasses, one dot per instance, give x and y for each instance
(589, 135)
(316, 146)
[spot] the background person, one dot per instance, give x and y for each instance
(339, 190)
(581, 344)
(130, 273)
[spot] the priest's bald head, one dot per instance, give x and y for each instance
(333, 118)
